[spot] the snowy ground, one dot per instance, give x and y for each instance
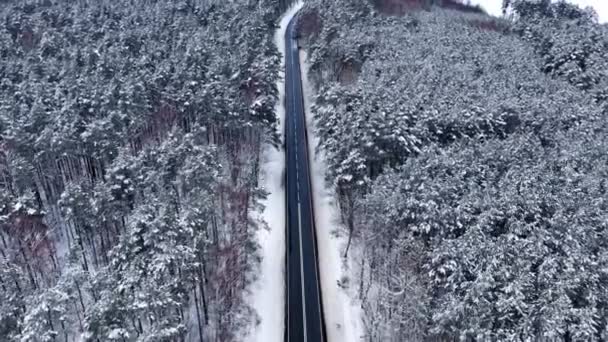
(268, 291)
(342, 311)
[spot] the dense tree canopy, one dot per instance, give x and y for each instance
(130, 135)
(469, 156)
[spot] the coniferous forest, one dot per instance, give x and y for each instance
(469, 154)
(130, 134)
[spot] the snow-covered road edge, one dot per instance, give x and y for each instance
(267, 295)
(341, 308)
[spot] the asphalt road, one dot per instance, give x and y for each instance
(304, 314)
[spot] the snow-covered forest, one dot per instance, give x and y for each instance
(130, 134)
(470, 156)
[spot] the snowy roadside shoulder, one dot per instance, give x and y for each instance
(267, 295)
(340, 305)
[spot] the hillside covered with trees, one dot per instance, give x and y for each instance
(470, 157)
(130, 134)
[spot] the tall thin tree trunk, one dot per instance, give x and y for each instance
(78, 314)
(198, 315)
(50, 318)
(94, 250)
(202, 274)
(350, 220)
(85, 264)
(2, 284)
(65, 333)
(80, 296)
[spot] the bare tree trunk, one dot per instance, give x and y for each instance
(4, 245)
(85, 264)
(198, 316)
(346, 200)
(65, 333)
(50, 318)
(2, 284)
(103, 246)
(91, 240)
(80, 296)
(203, 279)
(78, 312)
(361, 276)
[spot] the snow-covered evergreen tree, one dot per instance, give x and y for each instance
(130, 136)
(468, 153)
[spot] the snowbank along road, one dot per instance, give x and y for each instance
(304, 313)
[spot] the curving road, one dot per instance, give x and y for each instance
(304, 314)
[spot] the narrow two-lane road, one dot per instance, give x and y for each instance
(304, 313)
